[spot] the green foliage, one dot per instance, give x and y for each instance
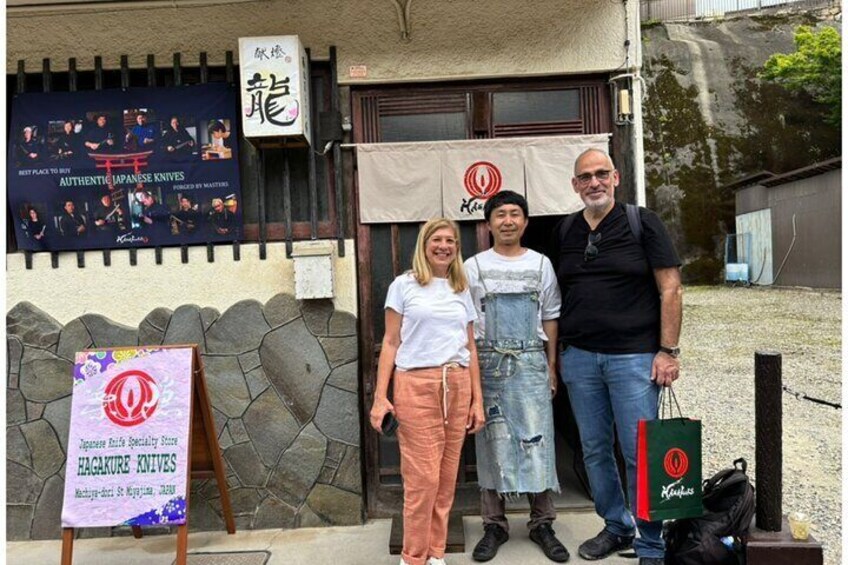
(815, 67)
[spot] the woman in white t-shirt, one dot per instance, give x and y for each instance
(429, 349)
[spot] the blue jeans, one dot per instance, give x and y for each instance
(606, 389)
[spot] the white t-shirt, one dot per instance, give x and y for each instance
(504, 274)
(434, 329)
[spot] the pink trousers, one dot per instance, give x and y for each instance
(429, 453)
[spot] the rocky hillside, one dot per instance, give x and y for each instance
(709, 120)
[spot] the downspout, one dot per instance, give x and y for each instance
(638, 130)
(638, 142)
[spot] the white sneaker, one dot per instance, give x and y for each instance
(436, 561)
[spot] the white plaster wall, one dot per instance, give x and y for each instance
(448, 38)
(126, 294)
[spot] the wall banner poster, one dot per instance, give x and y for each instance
(140, 167)
(128, 446)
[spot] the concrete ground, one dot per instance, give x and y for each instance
(354, 545)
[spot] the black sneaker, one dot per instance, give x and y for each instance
(493, 537)
(603, 545)
(545, 537)
(651, 561)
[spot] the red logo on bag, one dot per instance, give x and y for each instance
(676, 463)
(483, 180)
(131, 398)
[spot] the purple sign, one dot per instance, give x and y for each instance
(129, 438)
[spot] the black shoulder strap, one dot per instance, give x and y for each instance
(634, 218)
(566, 223)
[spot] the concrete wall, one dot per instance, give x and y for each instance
(447, 39)
(126, 294)
(816, 257)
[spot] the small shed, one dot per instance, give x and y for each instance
(788, 226)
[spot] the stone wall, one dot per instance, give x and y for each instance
(283, 384)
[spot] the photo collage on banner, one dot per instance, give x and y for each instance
(140, 167)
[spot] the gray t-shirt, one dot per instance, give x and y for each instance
(513, 274)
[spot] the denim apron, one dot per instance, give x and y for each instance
(515, 451)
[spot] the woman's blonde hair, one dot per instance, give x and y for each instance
(421, 269)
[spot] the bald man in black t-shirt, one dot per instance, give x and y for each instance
(619, 328)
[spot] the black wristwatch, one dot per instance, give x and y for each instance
(671, 351)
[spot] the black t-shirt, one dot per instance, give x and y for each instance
(611, 304)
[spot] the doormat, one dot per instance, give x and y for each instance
(229, 558)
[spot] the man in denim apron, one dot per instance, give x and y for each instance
(517, 298)
(620, 324)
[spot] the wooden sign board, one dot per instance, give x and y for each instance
(141, 428)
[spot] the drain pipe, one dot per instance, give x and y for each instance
(791, 245)
(635, 70)
(638, 143)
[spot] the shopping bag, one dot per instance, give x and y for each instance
(668, 465)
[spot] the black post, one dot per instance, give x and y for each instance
(98, 72)
(313, 183)
(261, 183)
(151, 70)
(72, 74)
(337, 155)
(178, 70)
(768, 391)
(20, 85)
(46, 77)
(287, 205)
(125, 71)
(204, 68)
(230, 68)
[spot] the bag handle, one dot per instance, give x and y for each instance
(671, 400)
(726, 476)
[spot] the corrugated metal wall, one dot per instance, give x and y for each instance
(816, 258)
(751, 199)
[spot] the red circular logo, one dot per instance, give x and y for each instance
(676, 463)
(131, 398)
(483, 180)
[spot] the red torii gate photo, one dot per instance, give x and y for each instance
(109, 161)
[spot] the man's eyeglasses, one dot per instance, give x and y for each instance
(591, 252)
(586, 178)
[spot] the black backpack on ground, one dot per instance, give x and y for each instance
(729, 507)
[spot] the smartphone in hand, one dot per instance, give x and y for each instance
(389, 425)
